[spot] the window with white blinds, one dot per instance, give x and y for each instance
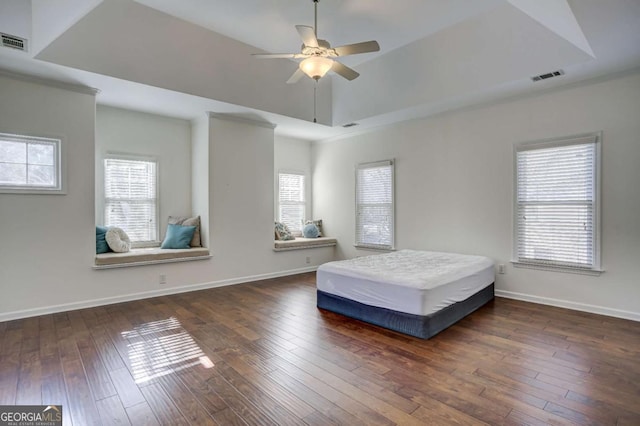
(557, 203)
(292, 201)
(375, 205)
(130, 190)
(29, 164)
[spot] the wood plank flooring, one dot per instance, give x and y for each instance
(262, 354)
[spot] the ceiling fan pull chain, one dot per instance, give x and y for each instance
(315, 87)
(315, 83)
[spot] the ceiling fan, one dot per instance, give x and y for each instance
(318, 55)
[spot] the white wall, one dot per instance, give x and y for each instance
(454, 177)
(48, 241)
(241, 204)
(200, 174)
(168, 140)
(47, 247)
(292, 154)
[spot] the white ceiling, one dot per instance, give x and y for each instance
(270, 25)
(184, 58)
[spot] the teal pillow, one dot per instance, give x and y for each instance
(178, 237)
(310, 230)
(101, 242)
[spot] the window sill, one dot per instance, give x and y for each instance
(304, 243)
(149, 256)
(374, 248)
(32, 191)
(554, 268)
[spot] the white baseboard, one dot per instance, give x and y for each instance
(601, 310)
(8, 316)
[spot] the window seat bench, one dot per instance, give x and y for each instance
(304, 243)
(149, 256)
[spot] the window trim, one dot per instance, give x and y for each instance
(60, 165)
(383, 247)
(306, 195)
(578, 139)
(134, 157)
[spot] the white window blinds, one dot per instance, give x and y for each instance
(29, 163)
(291, 200)
(557, 203)
(130, 197)
(375, 205)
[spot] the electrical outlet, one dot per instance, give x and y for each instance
(162, 279)
(308, 260)
(501, 268)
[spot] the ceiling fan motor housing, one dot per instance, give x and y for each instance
(323, 49)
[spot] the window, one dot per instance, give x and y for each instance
(29, 164)
(374, 205)
(557, 203)
(130, 191)
(292, 201)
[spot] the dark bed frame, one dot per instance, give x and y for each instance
(424, 327)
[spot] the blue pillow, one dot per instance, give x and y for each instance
(310, 230)
(101, 242)
(178, 237)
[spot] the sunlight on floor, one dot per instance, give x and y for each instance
(162, 347)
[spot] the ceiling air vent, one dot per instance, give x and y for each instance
(548, 75)
(14, 42)
(349, 125)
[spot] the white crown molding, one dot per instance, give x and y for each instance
(240, 119)
(50, 82)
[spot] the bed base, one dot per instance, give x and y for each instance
(423, 327)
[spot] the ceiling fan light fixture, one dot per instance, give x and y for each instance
(316, 66)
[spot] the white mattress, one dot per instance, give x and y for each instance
(415, 282)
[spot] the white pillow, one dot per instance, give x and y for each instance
(118, 240)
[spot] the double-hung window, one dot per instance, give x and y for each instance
(557, 204)
(131, 202)
(292, 200)
(375, 205)
(30, 164)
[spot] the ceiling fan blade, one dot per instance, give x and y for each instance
(354, 49)
(274, 55)
(308, 35)
(344, 71)
(295, 76)
(279, 55)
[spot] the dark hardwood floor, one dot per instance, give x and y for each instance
(262, 353)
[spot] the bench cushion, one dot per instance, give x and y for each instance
(149, 255)
(302, 243)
